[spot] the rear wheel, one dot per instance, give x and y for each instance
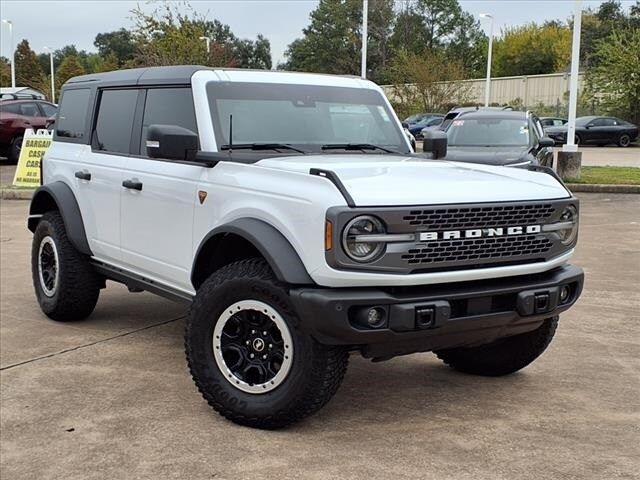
(504, 356)
(66, 285)
(248, 354)
(624, 140)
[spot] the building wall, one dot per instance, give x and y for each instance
(532, 90)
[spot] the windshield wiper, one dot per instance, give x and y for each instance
(261, 146)
(355, 146)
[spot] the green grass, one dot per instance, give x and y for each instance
(608, 175)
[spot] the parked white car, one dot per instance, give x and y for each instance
(289, 210)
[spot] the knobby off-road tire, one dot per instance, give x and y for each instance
(504, 356)
(66, 286)
(314, 371)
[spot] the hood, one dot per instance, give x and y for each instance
(488, 155)
(390, 180)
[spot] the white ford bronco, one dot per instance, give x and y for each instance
(291, 213)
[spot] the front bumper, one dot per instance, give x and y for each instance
(434, 317)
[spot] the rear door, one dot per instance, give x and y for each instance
(157, 220)
(98, 170)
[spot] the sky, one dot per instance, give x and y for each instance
(58, 23)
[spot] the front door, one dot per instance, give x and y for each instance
(159, 200)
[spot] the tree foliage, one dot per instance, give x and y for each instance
(5, 72)
(69, 68)
(430, 82)
(119, 44)
(615, 80)
(167, 36)
(532, 49)
(28, 70)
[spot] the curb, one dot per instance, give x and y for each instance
(602, 188)
(14, 194)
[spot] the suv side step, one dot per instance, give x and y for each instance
(137, 282)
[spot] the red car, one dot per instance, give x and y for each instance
(16, 115)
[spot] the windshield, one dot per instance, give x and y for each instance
(305, 116)
(415, 118)
(488, 132)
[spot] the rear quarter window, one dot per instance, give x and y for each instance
(72, 118)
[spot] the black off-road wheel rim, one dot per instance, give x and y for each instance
(48, 266)
(252, 346)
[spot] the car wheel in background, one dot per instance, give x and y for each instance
(14, 150)
(577, 140)
(624, 140)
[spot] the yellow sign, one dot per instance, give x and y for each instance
(34, 146)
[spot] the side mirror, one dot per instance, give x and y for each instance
(171, 142)
(435, 141)
(545, 142)
(405, 125)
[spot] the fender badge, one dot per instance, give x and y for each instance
(202, 195)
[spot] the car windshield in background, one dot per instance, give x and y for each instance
(307, 117)
(489, 132)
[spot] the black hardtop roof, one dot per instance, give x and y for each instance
(170, 75)
(179, 74)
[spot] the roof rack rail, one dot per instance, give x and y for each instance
(15, 96)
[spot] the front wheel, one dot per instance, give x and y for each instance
(249, 355)
(504, 356)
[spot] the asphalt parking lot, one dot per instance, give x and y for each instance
(111, 397)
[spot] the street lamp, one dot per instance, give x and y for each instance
(13, 53)
(208, 40)
(53, 83)
(487, 88)
(363, 60)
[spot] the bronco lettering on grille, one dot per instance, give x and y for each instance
(479, 233)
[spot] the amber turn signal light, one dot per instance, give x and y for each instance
(328, 235)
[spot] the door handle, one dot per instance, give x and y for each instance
(132, 184)
(83, 175)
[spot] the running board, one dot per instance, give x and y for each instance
(137, 282)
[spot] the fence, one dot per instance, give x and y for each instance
(527, 90)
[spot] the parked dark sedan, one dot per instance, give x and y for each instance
(597, 131)
(422, 120)
(508, 138)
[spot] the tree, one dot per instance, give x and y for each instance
(532, 49)
(119, 43)
(332, 42)
(69, 68)
(5, 72)
(615, 80)
(28, 70)
(429, 25)
(429, 82)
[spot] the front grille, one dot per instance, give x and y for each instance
(481, 249)
(479, 217)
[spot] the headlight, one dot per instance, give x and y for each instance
(569, 225)
(354, 240)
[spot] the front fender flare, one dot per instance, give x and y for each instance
(59, 196)
(272, 245)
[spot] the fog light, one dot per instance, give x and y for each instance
(564, 293)
(375, 317)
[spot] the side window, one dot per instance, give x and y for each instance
(73, 113)
(609, 122)
(598, 122)
(10, 108)
(29, 110)
(168, 106)
(48, 110)
(115, 120)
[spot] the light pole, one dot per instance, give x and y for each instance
(570, 146)
(487, 88)
(53, 83)
(363, 63)
(208, 40)
(13, 53)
